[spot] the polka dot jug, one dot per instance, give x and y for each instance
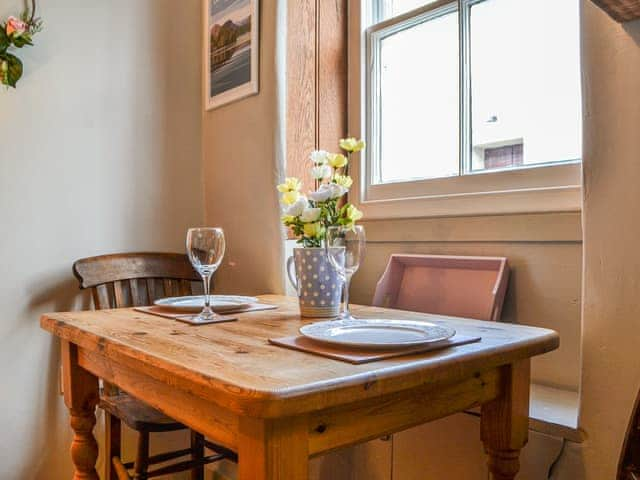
(317, 283)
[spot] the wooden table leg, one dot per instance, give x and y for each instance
(273, 449)
(81, 397)
(505, 422)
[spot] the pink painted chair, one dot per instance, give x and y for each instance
(470, 287)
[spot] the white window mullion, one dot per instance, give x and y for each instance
(465, 88)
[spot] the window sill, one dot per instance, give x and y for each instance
(539, 200)
(553, 411)
(541, 189)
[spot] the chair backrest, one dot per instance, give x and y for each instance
(471, 287)
(135, 279)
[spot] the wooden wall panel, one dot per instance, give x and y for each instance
(316, 80)
(301, 87)
(332, 73)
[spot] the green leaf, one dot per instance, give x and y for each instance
(14, 73)
(5, 42)
(22, 40)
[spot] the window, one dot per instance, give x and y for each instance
(469, 97)
(412, 103)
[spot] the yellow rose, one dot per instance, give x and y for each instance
(291, 184)
(354, 214)
(343, 180)
(289, 198)
(349, 215)
(287, 219)
(337, 160)
(352, 144)
(313, 230)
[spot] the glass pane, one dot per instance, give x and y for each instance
(392, 8)
(418, 114)
(525, 83)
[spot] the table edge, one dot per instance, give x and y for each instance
(264, 402)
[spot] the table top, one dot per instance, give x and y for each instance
(234, 364)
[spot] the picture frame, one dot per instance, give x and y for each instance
(231, 51)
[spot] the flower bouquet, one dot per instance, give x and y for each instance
(308, 217)
(16, 33)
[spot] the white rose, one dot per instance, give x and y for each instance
(336, 191)
(298, 207)
(319, 157)
(321, 172)
(310, 215)
(322, 195)
(328, 191)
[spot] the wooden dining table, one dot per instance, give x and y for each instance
(278, 407)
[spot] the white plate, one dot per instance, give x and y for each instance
(195, 303)
(377, 333)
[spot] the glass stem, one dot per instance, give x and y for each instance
(345, 310)
(206, 280)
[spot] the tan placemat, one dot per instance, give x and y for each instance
(358, 356)
(189, 317)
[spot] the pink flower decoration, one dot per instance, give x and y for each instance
(16, 27)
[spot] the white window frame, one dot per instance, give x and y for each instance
(534, 189)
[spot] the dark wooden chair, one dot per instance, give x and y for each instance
(133, 280)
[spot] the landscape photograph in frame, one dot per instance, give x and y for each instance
(231, 50)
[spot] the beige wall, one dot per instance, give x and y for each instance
(243, 160)
(611, 315)
(100, 151)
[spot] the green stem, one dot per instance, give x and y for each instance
(33, 12)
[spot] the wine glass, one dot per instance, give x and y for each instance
(205, 247)
(345, 248)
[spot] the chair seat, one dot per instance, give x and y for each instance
(137, 414)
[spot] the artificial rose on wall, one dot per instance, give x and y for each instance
(16, 33)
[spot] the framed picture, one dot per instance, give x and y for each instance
(231, 50)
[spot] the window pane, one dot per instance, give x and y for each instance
(392, 8)
(418, 110)
(525, 82)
